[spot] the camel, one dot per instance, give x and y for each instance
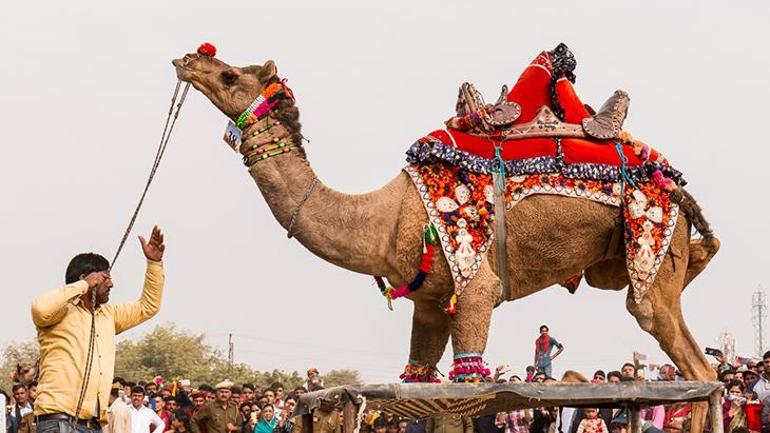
(550, 238)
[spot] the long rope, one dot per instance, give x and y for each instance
(167, 129)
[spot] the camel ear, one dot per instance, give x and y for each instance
(268, 71)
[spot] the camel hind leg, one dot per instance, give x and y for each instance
(660, 313)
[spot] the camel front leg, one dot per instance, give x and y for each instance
(660, 313)
(470, 326)
(430, 333)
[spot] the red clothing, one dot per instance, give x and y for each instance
(753, 416)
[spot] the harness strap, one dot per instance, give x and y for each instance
(500, 233)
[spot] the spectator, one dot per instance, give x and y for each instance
(235, 395)
(531, 370)
(278, 392)
(285, 421)
(599, 377)
(171, 404)
(591, 423)
(150, 389)
(539, 377)
(614, 377)
(544, 345)
(298, 391)
(733, 414)
(143, 419)
(181, 422)
(32, 392)
(248, 392)
(22, 417)
(160, 409)
(220, 415)
(267, 420)
(753, 410)
(119, 414)
(628, 370)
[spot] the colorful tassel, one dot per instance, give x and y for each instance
(430, 237)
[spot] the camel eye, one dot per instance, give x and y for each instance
(229, 77)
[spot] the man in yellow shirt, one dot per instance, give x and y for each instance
(70, 319)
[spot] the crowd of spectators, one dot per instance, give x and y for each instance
(156, 407)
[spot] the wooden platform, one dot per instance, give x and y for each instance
(418, 401)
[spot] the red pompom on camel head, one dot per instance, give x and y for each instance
(206, 49)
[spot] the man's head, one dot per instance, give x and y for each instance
(84, 264)
(223, 395)
(628, 370)
(114, 393)
(32, 391)
(614, 377)
(199, 400)
(248, 391)
(151, 388)
(137, 396)
(160, 404)
(599, 376)
(667, 372)
(298, 391)
(235, 395)
(270, 395)
(20, 394)
(380, 425)
(539, 377)
(290, 404)
(245, 410)
(544, 329)
(277, 388)
(171, 404)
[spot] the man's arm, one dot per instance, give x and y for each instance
(131, 314)
(198, 418)
(49, 308)
(559, 348)
(159, 424)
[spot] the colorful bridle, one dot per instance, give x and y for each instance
(264, 102)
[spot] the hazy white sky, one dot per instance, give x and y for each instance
(84, 87)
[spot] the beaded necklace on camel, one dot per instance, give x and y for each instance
(259, 109)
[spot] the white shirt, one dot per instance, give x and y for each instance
(762, 388)
(143, 418)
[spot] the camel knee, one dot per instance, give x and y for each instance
(643, 312)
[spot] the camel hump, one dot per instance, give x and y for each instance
(608, 122)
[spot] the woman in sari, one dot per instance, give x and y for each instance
(267, 420)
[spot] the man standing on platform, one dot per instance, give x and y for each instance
(543, 347)
(220, 415)
(74, 321)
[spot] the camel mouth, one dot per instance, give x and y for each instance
(182, 71)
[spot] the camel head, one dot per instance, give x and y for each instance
(229, 88)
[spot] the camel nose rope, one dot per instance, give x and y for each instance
(173, 111)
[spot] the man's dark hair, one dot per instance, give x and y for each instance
(32, 384)
(599, 373)
(137, 390)
(766, 355)
(247, 386)
(84, 264)
(206, 388)
(380, 422)
(614, 373)
(169, 398)
(235, 390)
(543, 326)
(131, 384)
(120, 380)
(245, 404)
(276, 385)
(18, 386)
(628, 364)
(115, 392)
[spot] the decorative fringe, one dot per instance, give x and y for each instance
(419, 372)
(469, 367)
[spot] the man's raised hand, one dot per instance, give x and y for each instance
(153, 249)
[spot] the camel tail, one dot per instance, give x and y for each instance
(693, 211)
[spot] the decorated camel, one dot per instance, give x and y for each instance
(580, 197)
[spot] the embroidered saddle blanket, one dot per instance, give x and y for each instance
(453, 174)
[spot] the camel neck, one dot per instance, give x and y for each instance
(347, 230)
